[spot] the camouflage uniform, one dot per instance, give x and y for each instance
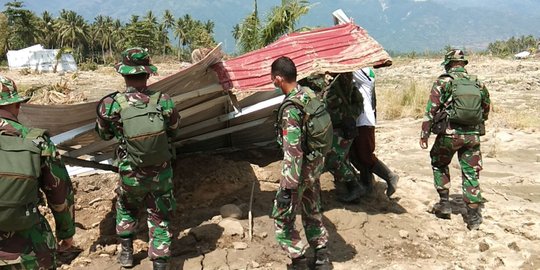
(462, 139)
(344, 103)
(35, 248)
(151, 186)
(299, 188)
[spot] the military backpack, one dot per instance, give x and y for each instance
(465, 106)
(20, 169)
(144, 131)
(316, 125)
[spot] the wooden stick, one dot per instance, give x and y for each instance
(250, 215)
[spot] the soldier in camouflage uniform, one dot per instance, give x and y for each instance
(455, 138)
(36, 247)
(150, 186)
(299, 187)
(344, 104)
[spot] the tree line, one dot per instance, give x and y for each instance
(513, 45)
(101, 40)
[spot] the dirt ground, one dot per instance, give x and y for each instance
(376, 233)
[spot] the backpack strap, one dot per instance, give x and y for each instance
(155, 98)
(36, 135)
(122, 100)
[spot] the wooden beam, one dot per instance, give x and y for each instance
(221, 132)
(226, 117)
(91, 148)
(88, 164)
(197, 93)
(71, 134)
(203, 107)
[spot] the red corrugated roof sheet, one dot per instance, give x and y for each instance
(341, 48)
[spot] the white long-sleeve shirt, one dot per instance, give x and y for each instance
(365, 81)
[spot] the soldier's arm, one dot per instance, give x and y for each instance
(107, 113)
(292, 148)
(58, 189)
(433, 106)
(171, 115)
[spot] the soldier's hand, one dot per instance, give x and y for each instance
(65, 244)
(423, 143)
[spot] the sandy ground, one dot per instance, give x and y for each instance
(376, 233)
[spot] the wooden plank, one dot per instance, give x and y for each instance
(91, 148)
(89, 164)
(232, 115)
(71, 134)
(213, 88)
(221, 132)
(203, 106)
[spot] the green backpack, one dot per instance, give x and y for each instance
(317, 132)
(465, 107)
(144, 132)
(20, 169)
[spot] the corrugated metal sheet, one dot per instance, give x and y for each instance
(342, 48)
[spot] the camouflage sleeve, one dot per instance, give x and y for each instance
(58, 189)
(171, 114)
(486, 102)
(292, 148)
(433, 106)
(108, 114)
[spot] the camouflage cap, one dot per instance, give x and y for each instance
(9, 94)
(454, 55)
(135, 61)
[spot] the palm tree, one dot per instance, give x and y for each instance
(166, 24)
(72, 30)
(181, 29)
(283, 19)
(251, 35)
(48, 35)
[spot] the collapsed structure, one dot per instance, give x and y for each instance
(205, 94)
(40, 59)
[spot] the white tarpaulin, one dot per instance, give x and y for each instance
(40, 59)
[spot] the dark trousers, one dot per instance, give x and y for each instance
(364, 146)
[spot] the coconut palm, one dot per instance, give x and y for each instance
(72, 30)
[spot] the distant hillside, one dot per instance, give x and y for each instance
(399, 25)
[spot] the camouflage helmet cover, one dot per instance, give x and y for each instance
(8, 93)
(454, 55)
(135, 61)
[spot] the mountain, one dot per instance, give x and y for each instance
(399, 25)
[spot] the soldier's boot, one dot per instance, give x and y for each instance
(443, 209)
(348, 192)
(381, 170)
(300, 263)
(125, 258)
(474, 217)
(366, 180)
(322, 259)
(160, 264)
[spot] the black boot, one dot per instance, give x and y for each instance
(366, 179)
(381, 170)
(348, 192)
(322, 259)
(443, 209)
(160, 264)
(125, 258)
(474, 217)
(300, 263)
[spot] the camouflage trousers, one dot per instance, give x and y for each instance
(139, 188)
(470, 160)
(307, 199)
(38, 246)
(337, 160)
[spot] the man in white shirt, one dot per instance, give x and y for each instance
(364, 144)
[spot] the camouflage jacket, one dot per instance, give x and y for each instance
(291, 141)
(109, 124)
(440, 93)
(343, 100)
(54, 181)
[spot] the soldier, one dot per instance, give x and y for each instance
(456, 110)
(344, 104)
(299, 186)
(364, 144)
(30, 163)
(142, 121)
